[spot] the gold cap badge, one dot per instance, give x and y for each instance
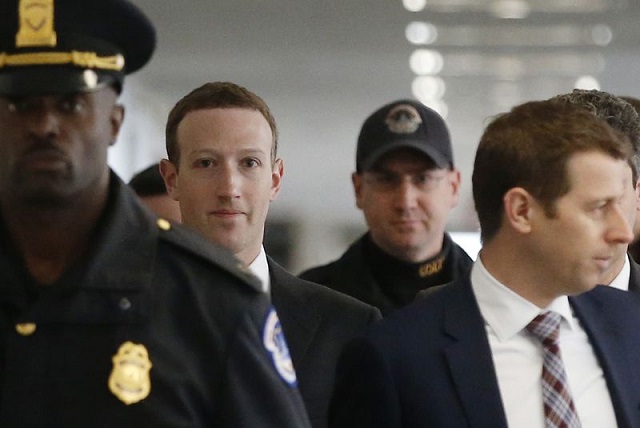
(129, 380)
(403, 119)
(36, 24)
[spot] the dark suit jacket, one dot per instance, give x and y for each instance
(317, 323)
(430, 364)
(634, 278)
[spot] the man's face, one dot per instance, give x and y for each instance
(630, 205)
(53, 148)
(591, 227)
(406, 202)
(164, 206)
(226, 179)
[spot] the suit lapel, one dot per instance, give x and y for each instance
(610, 335)
(470, 361)
(300, 319)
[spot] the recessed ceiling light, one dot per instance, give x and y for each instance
(421, 33)
(414, 5)
(510, 9)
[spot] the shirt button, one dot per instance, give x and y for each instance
(125, 304)
(26, 328)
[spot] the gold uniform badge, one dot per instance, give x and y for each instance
(36, 24)
(130, 380)
(431, 268)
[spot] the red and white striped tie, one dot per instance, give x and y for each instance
(559, 410)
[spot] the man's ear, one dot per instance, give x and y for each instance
(356, 179)
(116, 118)
(169, 174)
(276, 177)
(455, 181)
(519, 209)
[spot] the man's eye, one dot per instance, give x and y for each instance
(251, 163)
(19, 105)
(71, 105)
(204, 163)
(422, 178)
(386, 178)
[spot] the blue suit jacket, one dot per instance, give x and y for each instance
(430, 364)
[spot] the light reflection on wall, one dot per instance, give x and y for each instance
(504, 45)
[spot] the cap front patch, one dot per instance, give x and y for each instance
(403, 119)
(36, 24)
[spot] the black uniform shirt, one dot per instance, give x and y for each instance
(400, 281)
(368, 274)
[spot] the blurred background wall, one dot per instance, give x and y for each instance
(323, 66)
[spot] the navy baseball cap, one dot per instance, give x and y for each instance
(403, 124)
(62, 46)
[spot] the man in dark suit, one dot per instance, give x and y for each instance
(224, 171)
(551, 222)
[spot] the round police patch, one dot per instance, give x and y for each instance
(275, 342)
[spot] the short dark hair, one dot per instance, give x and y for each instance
(529, 147)
(215, 95)
(619, 113)
(148, 182)
(635, 102)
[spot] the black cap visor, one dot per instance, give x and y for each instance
(438, 158)
(56, 80)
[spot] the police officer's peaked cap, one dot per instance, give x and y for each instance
(62, 46)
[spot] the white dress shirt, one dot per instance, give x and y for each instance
(518, 356)
(621, 281)
(260, 268)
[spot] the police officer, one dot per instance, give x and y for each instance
(405, 184)
(110, 316)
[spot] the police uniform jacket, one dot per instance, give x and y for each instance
(317, 323)
(153, 327)
(351, 274)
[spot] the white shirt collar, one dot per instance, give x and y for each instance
(622, 280)
(505, 311)
(260, 268)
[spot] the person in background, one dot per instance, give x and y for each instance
(634, 247)
(224, 170)
(149, 186)
(110, 316)
(527, 338)
(406, 184)
(623, 117)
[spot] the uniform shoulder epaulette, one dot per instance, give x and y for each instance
(199, 246)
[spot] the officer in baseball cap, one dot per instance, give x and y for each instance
(405, 183)
(110, 315)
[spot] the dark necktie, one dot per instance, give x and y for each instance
(559, 410)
